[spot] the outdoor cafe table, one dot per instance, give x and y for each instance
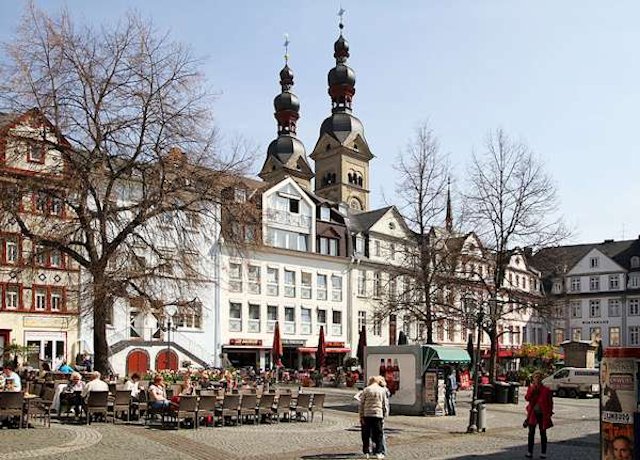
(28, 400)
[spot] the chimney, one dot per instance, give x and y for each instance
(608, 241)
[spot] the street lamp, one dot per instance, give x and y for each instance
(170, 310)
(473, 412)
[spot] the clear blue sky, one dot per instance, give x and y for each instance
(564, 76)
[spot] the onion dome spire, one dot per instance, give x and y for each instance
(286, 104)
(342, 78)
(449, 218)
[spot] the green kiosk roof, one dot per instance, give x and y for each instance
(444, 354)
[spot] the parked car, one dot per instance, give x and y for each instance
(574, 382)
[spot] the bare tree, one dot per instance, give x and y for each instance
(124, 119)
(422, 193)
(511, 202)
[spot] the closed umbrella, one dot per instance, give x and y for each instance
(402, 338)
(276, 348)
(470, 350)
(321, 352)
(362, 343)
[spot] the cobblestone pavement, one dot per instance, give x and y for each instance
(337, 437)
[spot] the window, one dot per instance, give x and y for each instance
(305, 320)
(294, 206)
(594, 308)
(393, 287)
(239, 195)
(614, 307)
(635, 262)
(41, 203)
(325, 213)
(254, 318)
(55, 259)
(406, 325)
(289, 283)
(287, 240)
(634, 335)
(451, 329)
(576, 309)
(12, 297)
(289, 320)
(11, 250)
(327, 246)
(614, 282)
(272, 317)
(559, 336)
(634, 280)
(634, 307)
(40, 299)
(272, 281)
(594, 283)
(36, 153)
(254, 279)
(56, 300)
(359, 245)
(440, 330)
(392, 251)
(557, 287)
(362, 320)
(377, 327)
(576, 334)
(40, 256)
(377, 284)
(593, 262)
(235, 277)
(376, 246)
(235, 317)
(336, 288)
(305, 285)
(595, 334)
(614, 336)
(336, 326)
(322, 287)
(322, 318)
(575, 284)
(362, 280)
(189, 315)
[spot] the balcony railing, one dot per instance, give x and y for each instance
(284, 217)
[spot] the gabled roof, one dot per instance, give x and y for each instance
(363, 221)
(560, 259)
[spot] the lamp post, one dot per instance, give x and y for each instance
(473, 412)
(171, 310)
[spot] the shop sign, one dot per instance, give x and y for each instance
(246, 342)
(293, 343)
(45, 322)
(334, 344)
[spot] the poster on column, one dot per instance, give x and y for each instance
(399, 371)
(619, 407)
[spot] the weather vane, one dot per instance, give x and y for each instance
(341, 13)
(286, 48)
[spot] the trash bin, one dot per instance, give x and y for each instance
(481, 417)
(501, 392)
(486, 392)
(514, 390)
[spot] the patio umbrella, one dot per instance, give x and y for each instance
(402, 338)
(321, 352)
(362, 342)
(276, 348)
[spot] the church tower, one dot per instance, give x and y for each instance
(286, 155)
(342, 154)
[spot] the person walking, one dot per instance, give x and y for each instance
(451, 386)
(373, 409)
(539, 412)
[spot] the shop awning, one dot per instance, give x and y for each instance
(444, 354)
(312, 350)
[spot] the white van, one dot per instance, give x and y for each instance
(574, 382)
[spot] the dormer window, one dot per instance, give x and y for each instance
(325, 213)
(635, 262)
(36, 153)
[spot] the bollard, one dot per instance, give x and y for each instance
(481, 417)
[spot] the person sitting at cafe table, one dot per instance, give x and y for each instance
(74, 391)
(12, 380)
(94, 384)
(65, 368)
(158, 394)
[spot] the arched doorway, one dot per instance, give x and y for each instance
(167, 359)
(138, 362)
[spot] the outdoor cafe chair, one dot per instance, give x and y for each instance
(207, 405)
(122, 403)
(230, 407)
(186, 408)
(303, 406)
(317, 405)
(265, 406)
(43, 406)
(97, 403)
(282, 407)
(11, 405)
(248, 407)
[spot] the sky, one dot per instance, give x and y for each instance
(563, 77)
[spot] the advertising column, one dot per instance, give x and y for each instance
(620, 416)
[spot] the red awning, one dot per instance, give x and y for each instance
(329, 350)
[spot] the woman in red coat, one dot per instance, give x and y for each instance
(539, 411)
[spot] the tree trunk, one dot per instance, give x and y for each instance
(493, 355)
(100, 345)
